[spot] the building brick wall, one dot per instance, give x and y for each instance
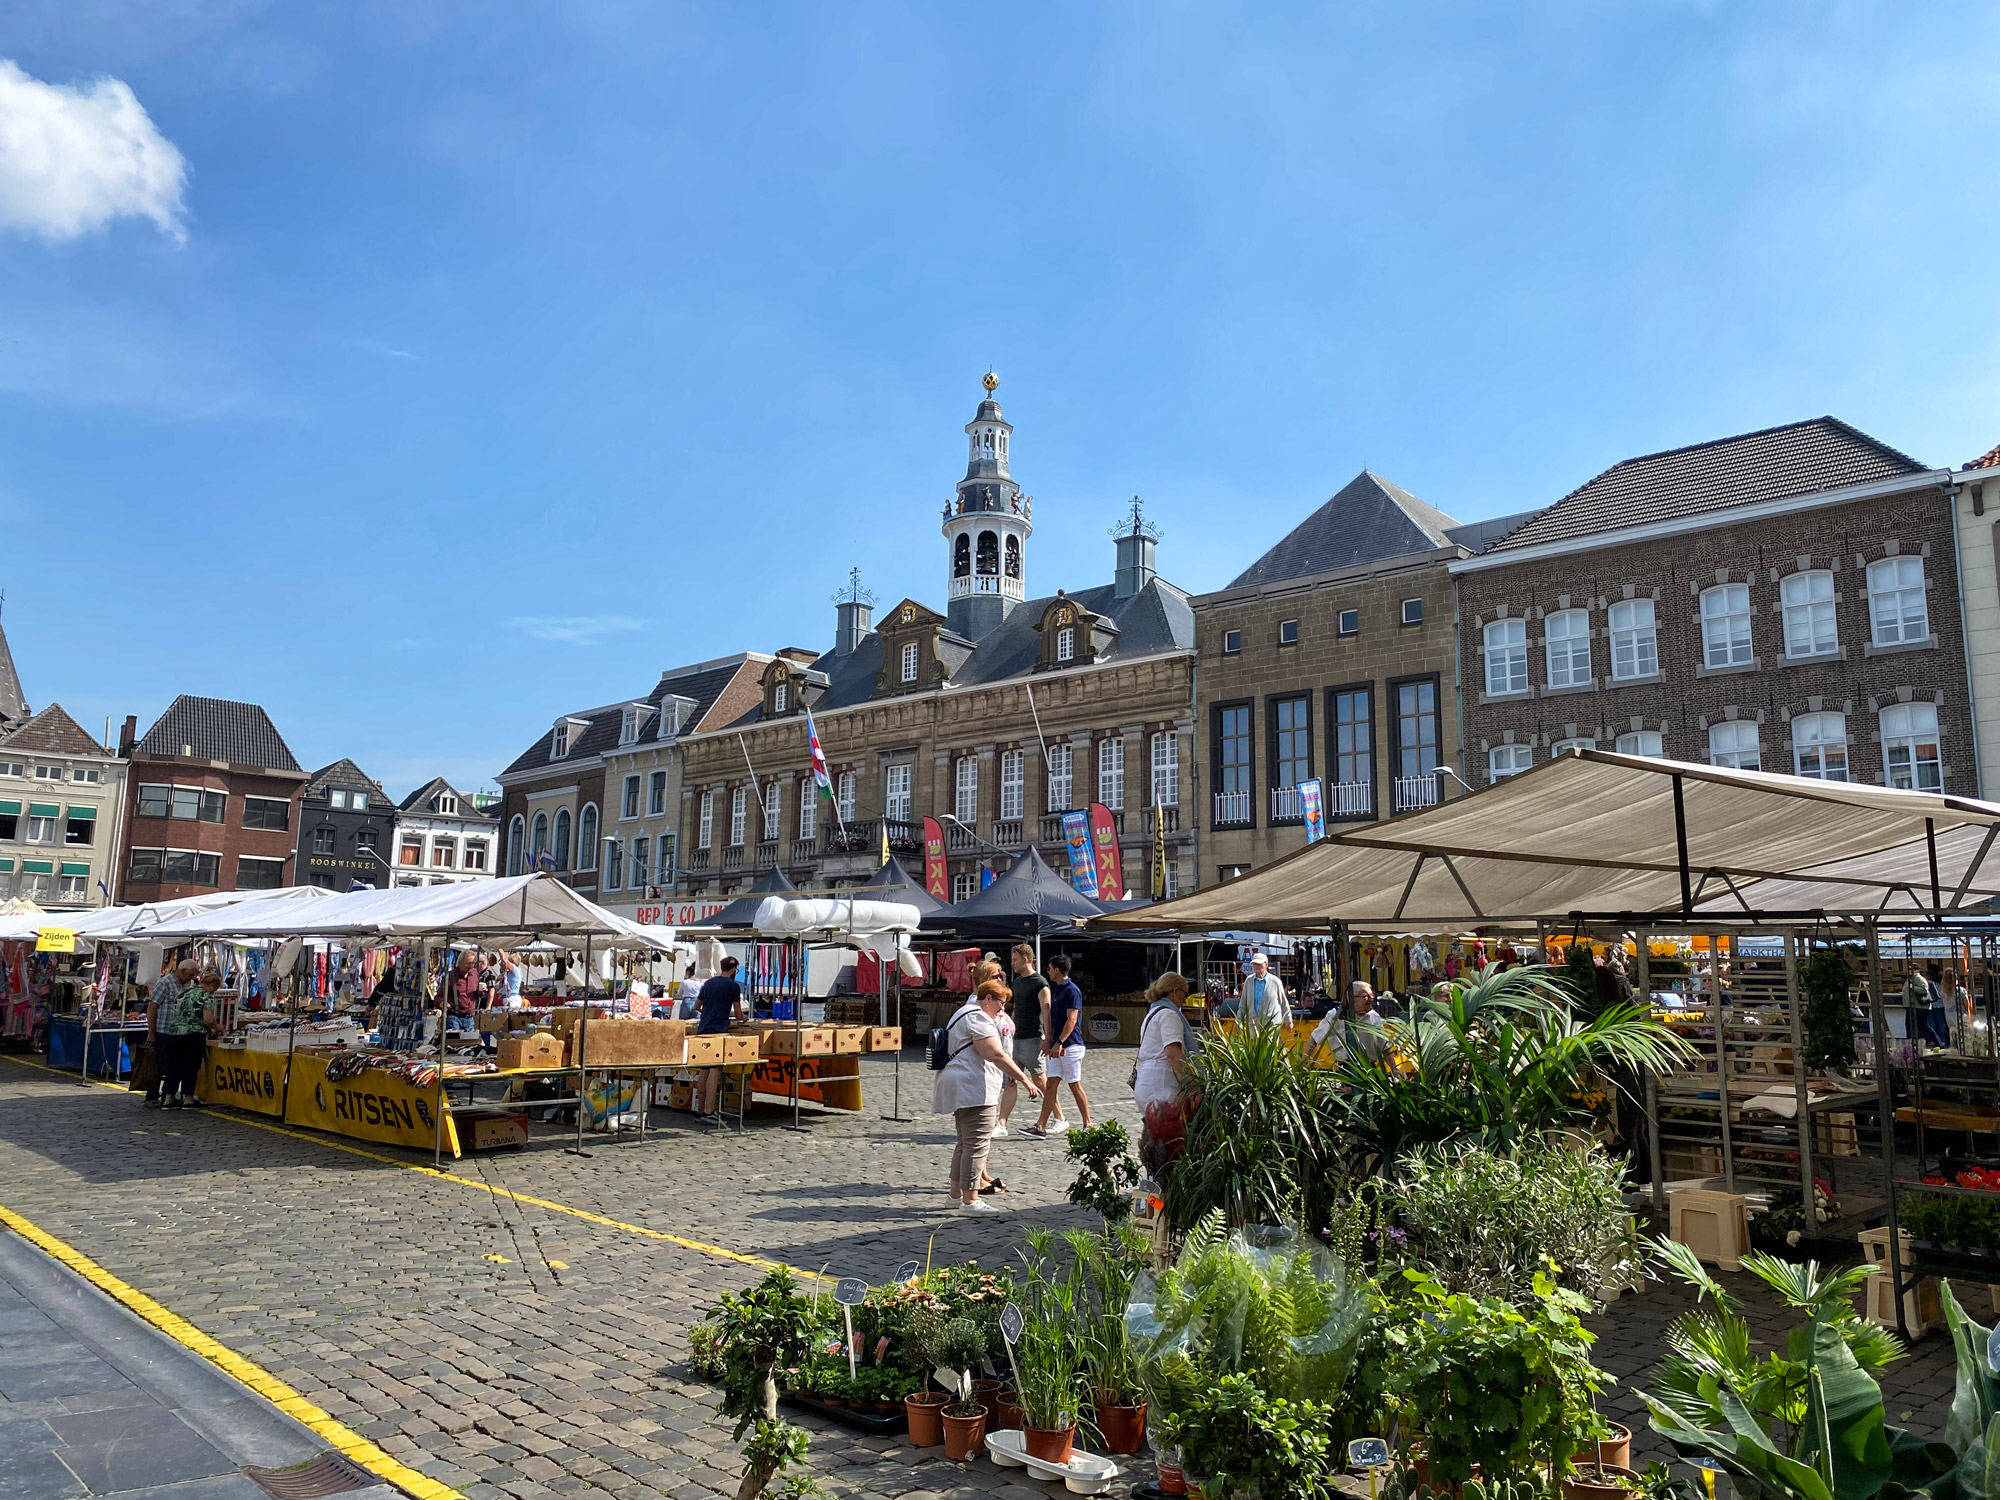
(229, 839)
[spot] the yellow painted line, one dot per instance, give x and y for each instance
(485, 1187)
(343, 1438)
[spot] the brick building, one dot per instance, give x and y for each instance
(1784, 600)
(213, 799)
(1976, 508)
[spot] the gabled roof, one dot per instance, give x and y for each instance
(705, 683)
(53, 731)
(1152, 622)
(345, 773)
(218, 729)
(1801, 458)
(420, 799)
(1990, 459)
(1367, 520)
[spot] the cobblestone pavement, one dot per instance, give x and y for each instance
(512, 1350)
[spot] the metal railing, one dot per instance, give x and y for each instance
(1414, 793)
(1232, 809)
(1285, 804)
(1351, 799)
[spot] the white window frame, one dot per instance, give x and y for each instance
(965, 790)
(896, 795)
(90, 775)
(628, 799)
(1579, 742)
(964, 886)
(1111, 772)
(1909, 730)
(1815, 752)
(1646, 742)
(1806, 601)
(1736, 742)
(1725, 627)
(909, 660)
(1898, 609)
(808, 808)
(1062, 778)
(587, 835)
(49, 773)
(1506, 656)
(705, 823)
(1166, 764)
(1635, 640)
(1566, 648)
(778, 697)
(656, 794)
(1066, 643)
(844, 787)
(642, 870)
(1503, 761)
(559, 741)
(1013, 784)
(739, 815)
(774, 808)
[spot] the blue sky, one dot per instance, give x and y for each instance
(477, 362)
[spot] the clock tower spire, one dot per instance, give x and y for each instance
(986, 527)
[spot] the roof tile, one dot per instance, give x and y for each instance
(219, 729)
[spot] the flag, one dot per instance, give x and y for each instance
(884, 826)
(820, 778)
(1159, 852)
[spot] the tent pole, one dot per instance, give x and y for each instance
(1795, 954)
(1681, 849)
(1644, 969)
(582, 1032)
(1885, 1094)
(444, 1015)
(798, 1034)
(1721, 1023)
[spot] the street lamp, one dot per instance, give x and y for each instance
(369, 850)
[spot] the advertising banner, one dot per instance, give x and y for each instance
(935, 879)
(1312, 810)
(243, 1079)
(372, 1106)
(1104, 838)
(1082, 858)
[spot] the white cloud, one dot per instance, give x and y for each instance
(576, 630)
(74, 159)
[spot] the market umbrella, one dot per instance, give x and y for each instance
(893, 878)
(1028, 898)
(742, 912)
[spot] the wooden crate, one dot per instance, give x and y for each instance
(883, 1039)
(852, 1012)
(536, 1050)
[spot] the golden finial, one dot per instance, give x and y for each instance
(991, 382)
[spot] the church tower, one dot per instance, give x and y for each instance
(986, 528)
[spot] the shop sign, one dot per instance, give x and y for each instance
(373, 1106)
(244, 1079)
(56, 940)
(1103, 1026)
(681, 914)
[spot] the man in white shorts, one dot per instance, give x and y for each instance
(1031, 1024)
(1064, 1046)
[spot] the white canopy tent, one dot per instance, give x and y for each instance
(134, 923)
(1596, 834)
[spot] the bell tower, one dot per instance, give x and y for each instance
(986, 527)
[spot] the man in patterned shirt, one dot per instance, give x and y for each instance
(159, 999)
(184, 1023)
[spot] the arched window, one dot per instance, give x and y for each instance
(586, 838)
(1013, 557)
(1507, 656)
(1635, 648)
(989, 552)
(1819, 741)
(1733, 742)
(961, 556)
(1725, 627)
(560, 848)
(540, 841)
(1566, 643)
(517, 835)
(1807, 600)
(1910, 754)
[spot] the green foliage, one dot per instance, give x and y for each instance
(1488, 1224)
(923, 1340)
(1483, 1382)
(1973, 1223)
(704, 1360)
(961, 1346)
(1233, 1436)
(763, 1329)
(1825, 980)
(1110, 1172)
(1050, 1355)
(1579, 976)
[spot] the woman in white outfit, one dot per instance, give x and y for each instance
(968, 1088)
(1156, 1082)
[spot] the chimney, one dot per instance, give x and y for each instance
(128, 736)
(1136, 538)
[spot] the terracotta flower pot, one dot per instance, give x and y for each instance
(1614, 1452)
(1006, 1413)
(1052, 1447)
(1124, 1427)
(1171, 1479)
(987, 1394)
(926, 1413)
(963, 1435)
(1591, 1487)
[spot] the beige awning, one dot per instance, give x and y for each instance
(1591, 832)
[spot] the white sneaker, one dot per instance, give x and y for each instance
(981, 1206)
(999, 1130)
(1058, 1126)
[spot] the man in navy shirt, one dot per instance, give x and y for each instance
(721, 1005)
(1064, 1044)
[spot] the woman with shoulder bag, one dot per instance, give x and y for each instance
(968, 1088)
(1157, 1076)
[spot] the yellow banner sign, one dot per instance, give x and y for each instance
(244, 1079)
(371, 1106)
(56, 940)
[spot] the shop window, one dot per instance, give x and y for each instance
(1288, 633)
(80, 827)
(964, 886)
(1635, 648)
(1819, 746)
(1725, 626)
(1506, 657)
(1013, 780)
(656, 794)
(1807, 601)
(1896, 606)
(586, 837)
(896, 793)
(267, 812)
(629, 806)
(909, 661)
(1232, 642)
(808, 810)
(1910, 753)
(444, 854)
(1166, 769)
(1733, 742)
(322, 841)
(1350, 622)
(411, 853)
(965, 789)
(475, 854)
(253, 874)
(642, 862)
(1061, 783)
(1111, 773)
(739, 815)
(1503, 761)
(1566, 644)
(1413, 611)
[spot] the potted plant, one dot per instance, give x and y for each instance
(923, 1338)
(1110, 1365)
(1238, 1440)
(1595, 1481)
(961, 1346)
(1048, 1354)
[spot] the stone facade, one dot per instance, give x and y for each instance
(1977, 514)
(443, 837)
(62, 806)
(1842, 679)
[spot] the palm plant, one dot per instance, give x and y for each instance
(1496, 1062)
(1049, 1355)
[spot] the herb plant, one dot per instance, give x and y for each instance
(1109, 1174)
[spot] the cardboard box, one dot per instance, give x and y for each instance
(618, 1044)
(492, 1131)
(536, 1050)
(849, 1040)
(805, 1041)
(883, 1039)
(741, 1049)
(706, 1051)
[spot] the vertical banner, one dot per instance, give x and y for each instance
(1312, 810)
(1159, 852)
(1082, 858)
(1110, 868)
(935, 879)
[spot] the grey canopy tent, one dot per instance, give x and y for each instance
(1028, 899)
(741, 914)
(895, 881)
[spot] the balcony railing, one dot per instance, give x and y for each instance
(804, 850)
(1414, 793)
(767, 854)
(1232, 809)
(1285, 804)
(1351, 799)
(1007, 833)
(866, 836)
(732, 857)
(959, 839)
(698, 858)
(1170, 818)
(1050, 830)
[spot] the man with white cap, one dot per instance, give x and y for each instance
(1263, 1001)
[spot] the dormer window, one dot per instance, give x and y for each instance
(559, 745)
(445, 805)
(670, 719)
(909, 661)
(778, 696)
(632, 722)
(1066, 643)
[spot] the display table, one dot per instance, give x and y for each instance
(244, 1078)
(110, 1051)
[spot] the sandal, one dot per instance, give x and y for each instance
(995, 1186)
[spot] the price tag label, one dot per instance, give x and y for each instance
(1367, 1453)
(1010, 1323)
(906, 1270)
(851, 1291)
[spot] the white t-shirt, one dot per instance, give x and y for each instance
(1156, 1083)
(968, 1080)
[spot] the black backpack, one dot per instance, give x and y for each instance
(939, 1057)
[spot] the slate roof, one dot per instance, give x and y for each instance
(420, 799)
(345, 773)
(1990, 459)
(1153, 621)
(13, 703)
(1367, 520)
(55, 732)
(1800, 458)
(219, 729)
(703, 685)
